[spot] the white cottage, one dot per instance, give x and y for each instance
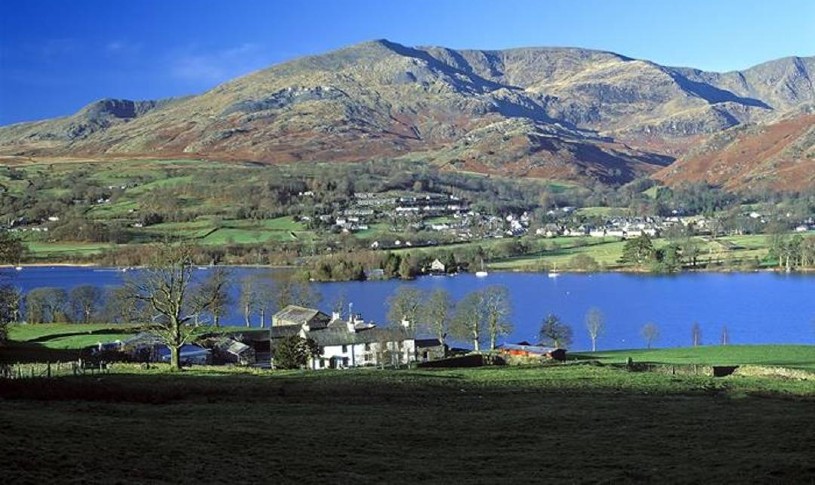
(352, 342)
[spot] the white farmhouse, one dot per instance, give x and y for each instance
(351, 342)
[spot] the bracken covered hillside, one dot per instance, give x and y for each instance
(779, 156)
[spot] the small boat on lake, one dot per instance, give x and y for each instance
(482, 273)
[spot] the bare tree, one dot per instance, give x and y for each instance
(340, 303)
(555, 333)
(650, 332)
(249, 297)
(436, 313)
(120, 307)
(85, 300)
(220, 305)
(289, 290)
(596, 325)
(467, 322)
(696, 334)
(404, 304)
(265, 298)
(172, 295)
(496, 308)
(47, 305)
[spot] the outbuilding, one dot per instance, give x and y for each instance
(524, 349)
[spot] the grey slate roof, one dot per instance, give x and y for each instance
(427, 342)
(298, 315)
(326, 337)
(333, 336)
(283, 331)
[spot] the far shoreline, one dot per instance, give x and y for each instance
(630, 271)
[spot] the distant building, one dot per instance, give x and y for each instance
(297, 315)
(351, 342)
(437, 266)
(524, 349)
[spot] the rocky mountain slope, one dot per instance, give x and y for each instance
(562, 113)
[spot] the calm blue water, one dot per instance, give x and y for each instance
(755, 307)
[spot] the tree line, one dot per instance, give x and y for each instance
(481, 317)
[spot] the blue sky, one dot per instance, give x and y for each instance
(58, 55)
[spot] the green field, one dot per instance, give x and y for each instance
(41, 331)
(209, 232)
(60, 251)
(606, 251)
(532, 424)
(164, 182)
(603, 211)
(59, 341)
(219, 204)
(791, 356)
(242, 232)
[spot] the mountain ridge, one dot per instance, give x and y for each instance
(554, 112)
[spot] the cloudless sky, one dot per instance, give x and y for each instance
(58, 55)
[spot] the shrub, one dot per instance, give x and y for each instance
(293, 352)
(583, 262)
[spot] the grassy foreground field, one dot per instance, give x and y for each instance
(590, 420)
(573, 423)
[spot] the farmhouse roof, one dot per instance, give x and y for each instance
(427, 342)
(297, 315)
(326, 337)
(283, 331)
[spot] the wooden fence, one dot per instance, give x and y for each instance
(44, 370)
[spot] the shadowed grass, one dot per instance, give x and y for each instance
(568, 423)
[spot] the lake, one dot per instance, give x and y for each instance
(755, 307)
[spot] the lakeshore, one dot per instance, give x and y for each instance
(782, 314)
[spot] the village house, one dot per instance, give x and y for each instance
(351, 342)
(297, 315)
(437, 267)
